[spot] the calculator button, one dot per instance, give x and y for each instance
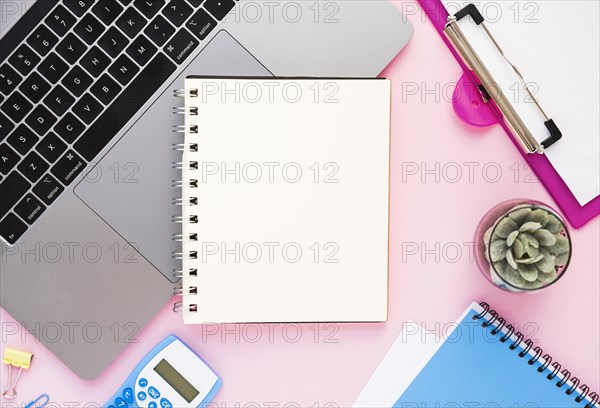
(141, 395)
(152, 404)
(120, 403)
(142, 382)
(153, 392)
(165, 403)
(128, 395)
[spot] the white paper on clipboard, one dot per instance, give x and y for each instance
(556, 46)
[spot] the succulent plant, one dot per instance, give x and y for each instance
(526, 247)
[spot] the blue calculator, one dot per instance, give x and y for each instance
(170, 376)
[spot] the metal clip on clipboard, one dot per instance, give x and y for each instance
(472, 60)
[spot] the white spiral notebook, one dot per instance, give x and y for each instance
(285, 200)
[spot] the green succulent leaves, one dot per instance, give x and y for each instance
(526, 247)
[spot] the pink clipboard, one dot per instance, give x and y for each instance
(474, 111)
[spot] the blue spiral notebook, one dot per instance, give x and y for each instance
(485, 363)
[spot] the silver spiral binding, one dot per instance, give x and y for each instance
(193, 111)
(181, 147)
(579, 392)
(179, 273)
(184, 129)
(192, 165)
(182, 93)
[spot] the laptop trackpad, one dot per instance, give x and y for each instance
(130, 188)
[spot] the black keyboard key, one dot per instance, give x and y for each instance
(42, 40)
(123, 70)
(60, 20)
(22, 139)
(195, 3)
(9, 79)
(48, 189)
(126, 2)
(141, 50)
(201, 24)
(181, 46)
(149, 8)
(6, 126)
(131, 22)
(8, 158)
(77, 81)
(51, 147)
(107, 10)
(125, 106)
(35, 87)
(30, 208)
(95, 61)
(59, 100)
(13, 187)
(33, 166)
(177, 11)
(219, 8)
(24, 59)
(41, 120)
(159, 30)
(105, 89)
(88, 108)
(53, 68)
(89, 29)
(16, 107)
(113, 42)
(71, 48)
(79, 6)
(68, 167)
(12, 228)
(69, 128)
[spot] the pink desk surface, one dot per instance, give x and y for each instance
(445, 176)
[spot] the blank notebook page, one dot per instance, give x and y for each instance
(293, 200)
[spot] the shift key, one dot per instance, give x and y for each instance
(68, 167)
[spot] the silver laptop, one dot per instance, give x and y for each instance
(86, 185)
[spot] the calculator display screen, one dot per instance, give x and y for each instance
(176, 380)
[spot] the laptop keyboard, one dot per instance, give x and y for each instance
(80, 70)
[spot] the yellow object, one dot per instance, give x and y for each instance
(17, 359)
